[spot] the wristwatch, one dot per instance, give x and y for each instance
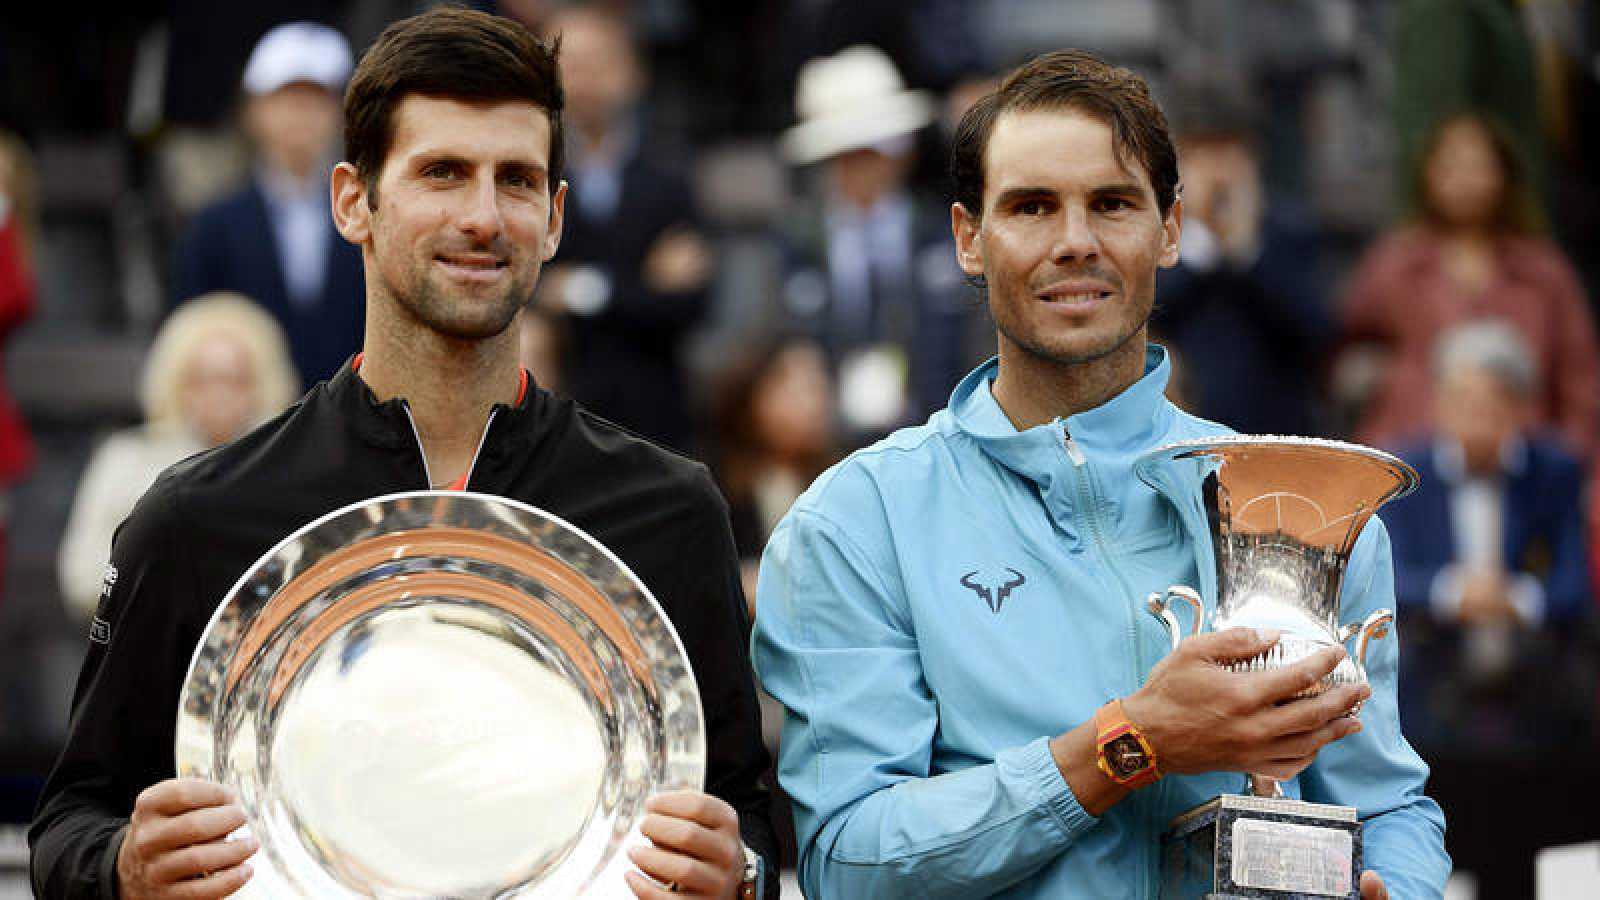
(754, 875)
(1121, 750)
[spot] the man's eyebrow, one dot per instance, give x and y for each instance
(527, 167)
(1120, 187)
(1026, 192)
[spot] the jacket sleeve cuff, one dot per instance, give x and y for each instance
(1051, 789)
(109, 889)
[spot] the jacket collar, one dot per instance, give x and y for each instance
(387, 423)
(1123, 426)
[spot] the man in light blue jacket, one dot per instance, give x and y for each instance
(947, 615)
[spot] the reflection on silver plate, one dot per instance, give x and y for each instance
(441, 694)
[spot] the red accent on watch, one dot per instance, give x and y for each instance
(1121, 750)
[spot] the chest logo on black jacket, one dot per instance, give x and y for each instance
(994, 595)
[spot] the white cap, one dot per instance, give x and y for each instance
(849, 101)
(298, 51)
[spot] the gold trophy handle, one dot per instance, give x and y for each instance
(1160, 606)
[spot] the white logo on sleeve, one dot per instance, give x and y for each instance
(100, 626)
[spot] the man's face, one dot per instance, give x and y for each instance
(1069, 239)
(295, 125)
(1479, 411)
(598, 68)
(465, 213)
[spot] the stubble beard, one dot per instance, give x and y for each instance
(476, 319)
(1066, 357)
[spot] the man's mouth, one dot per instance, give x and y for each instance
(1076, 292)
(472, 266)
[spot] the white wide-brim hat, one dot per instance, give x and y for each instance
(849, 101)
(298, 52)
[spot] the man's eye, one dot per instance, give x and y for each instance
(439, 171)
(1114, 204)
(518, 181)
(1030, 208)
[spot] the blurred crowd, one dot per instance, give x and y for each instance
(1387, 237)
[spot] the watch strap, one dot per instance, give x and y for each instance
(1111, 724)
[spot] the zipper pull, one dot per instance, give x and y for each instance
(1073, 452)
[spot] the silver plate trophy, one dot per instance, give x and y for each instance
(1282, 515)
(441, 694)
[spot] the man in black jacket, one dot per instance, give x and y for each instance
(452, 190)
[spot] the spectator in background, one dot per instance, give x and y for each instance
(1473, 249)
(775, 434)
(274, 239)
(871, 273)
(1242, 306)
(1491, 576)
(17, 221)
(218, 367)
(634, 268)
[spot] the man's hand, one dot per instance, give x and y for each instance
(1372, 886)
(1486, 597)
(1200, 717)
(697, 849)
(176, 846)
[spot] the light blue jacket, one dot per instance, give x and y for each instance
(939, 605)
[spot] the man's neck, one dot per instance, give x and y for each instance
(1032, 390)
(449, 386)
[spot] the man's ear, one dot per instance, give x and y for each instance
(1170, 230)
(969, 242)
(351, 215)
(558, 217)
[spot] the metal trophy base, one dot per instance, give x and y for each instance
(1236, 847)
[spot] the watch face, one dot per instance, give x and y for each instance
(1125, 755)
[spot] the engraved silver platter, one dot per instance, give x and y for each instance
(441, 694)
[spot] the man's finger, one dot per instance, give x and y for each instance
(1233, 644)
(198, 826)
(690, 875)
(1372, 887)
(712, 812)
(690, 838)
(177, 796)
(1311, 713)
(200, 859)
(212, 887)
(645, 889)
(1279, 685)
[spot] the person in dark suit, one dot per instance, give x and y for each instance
(274, 239)
(635, 267)
(870, 273)
(1242, 308)
(1491, 576)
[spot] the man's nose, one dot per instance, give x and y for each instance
(480, 212)
(1076, 240)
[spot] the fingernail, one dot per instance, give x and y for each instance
(1269, 635)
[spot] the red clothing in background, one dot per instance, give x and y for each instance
(1402, 298)
(16, 305)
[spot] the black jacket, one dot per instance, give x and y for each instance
(211, 516)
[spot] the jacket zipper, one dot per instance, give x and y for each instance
(427, 475)
(1086, 497)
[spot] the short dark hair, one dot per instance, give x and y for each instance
(1078, 80)
(449, 52)
(1519, 211)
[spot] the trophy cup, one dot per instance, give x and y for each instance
(441, 694)
(1282, 515)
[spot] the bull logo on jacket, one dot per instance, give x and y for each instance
(994, 595)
